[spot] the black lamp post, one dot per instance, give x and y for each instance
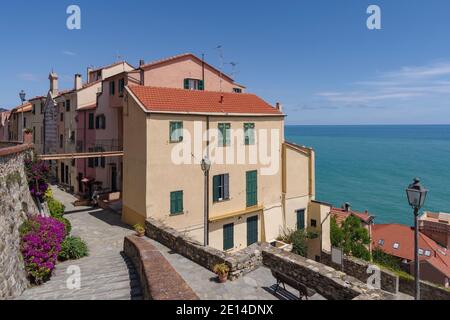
(416, 194)
(22, 96)
(206, 166)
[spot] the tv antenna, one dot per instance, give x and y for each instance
(220, 49)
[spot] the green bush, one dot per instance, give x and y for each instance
(300, 243)
(67, 224)
(27, 226)
(73, 248)
(56, 208)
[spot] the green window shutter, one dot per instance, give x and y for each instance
(216, 188)
(221, 134)
(186, 83)
(176, 202)
(228, 236)
(252, 188)
(227, 134)
(91, 121)
(201, 85)
(226, 186)
(176, 131)
(300, 219)
(249, 133)
(252, 230)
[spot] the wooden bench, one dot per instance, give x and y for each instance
(284, 279)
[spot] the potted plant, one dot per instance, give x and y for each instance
(28, 135)
(140, 230)
(222, 270)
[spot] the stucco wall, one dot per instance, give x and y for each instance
(15, 204)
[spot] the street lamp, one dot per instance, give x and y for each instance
(206, 166)
(22, 96)
(416, 194)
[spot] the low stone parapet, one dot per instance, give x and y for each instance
(240, 263)
(159, 280)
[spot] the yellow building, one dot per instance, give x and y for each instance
(258, 183)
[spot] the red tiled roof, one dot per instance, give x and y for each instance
(172, 100)
(26, 107)
(342, 214)
(404, 235)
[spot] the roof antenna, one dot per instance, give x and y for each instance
(220, 49)
(233, 67)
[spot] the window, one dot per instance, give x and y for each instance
(252, 230)
(237, 90)
(381, 242)
(72, 136)
(221, 186)
(61, 117)
(313, 223)
(33, 111)
(100, 122)
(421, 252)
(62, 172)
(249, 133)
(176, 131)
(194, 84)
(224, 134)
(396, 245)
(252, 188)
(42, 107)
(34, 135)
(91, 160)
(24, 122)
(176, 202)
(228, 236)
(112, 88)
(67, 105)
(301, 219)
(61, 141)
(427, 253)
(121, 86)
(91, 121)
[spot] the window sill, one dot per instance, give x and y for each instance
(176, 214)
(220, 201)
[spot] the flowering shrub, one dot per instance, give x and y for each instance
(37, 175)
(40, 246)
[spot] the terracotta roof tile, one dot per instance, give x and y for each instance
(156, 99)
(403, 235)
(342, 214)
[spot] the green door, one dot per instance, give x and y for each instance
(228, 236)
(301, 219)
(252, 188)
(252, 230)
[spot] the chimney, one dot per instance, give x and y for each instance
(221, 98)
(78, 82)
(53, 77)
(141, 63)
(89, 70)
(279, 106)
(347, 207)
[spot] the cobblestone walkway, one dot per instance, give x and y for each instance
(106, 274)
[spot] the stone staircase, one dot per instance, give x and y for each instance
(103, 277)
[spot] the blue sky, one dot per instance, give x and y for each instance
(317, 57)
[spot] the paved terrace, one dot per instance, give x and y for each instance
(107, 274)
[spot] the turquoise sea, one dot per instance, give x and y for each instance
(370, 166)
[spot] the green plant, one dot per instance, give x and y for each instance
(56, 208)
(139, 228)
(73, 248)
(300, 243)
(351, 236)
(221, 269)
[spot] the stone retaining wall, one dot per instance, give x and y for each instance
(328, 282)
(358, 268)
(240, 263)
(159, 280)
(428, 291)
(389, 280)
(15, 203)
